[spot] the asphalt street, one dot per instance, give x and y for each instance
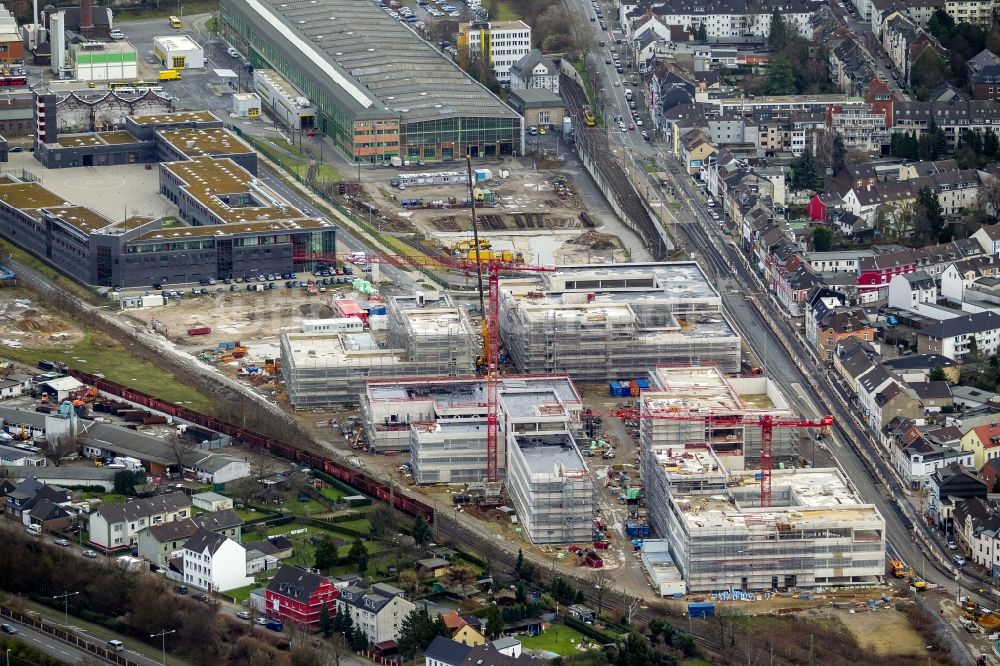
(51, 646)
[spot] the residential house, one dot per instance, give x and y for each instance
(970, 397)
(934, 395)
(917, 460)
(445, 652)
(918, 367)
(30, 492)
(377, 609)
(840, 324)
(461, 631)
(695, 150)
(821, 302)
(949, 485)
(738, 19)
(989, 237)
(432, 566)
(214, 562)
(989, 473)
(837, 261)
(539, 107)
(984, 442)
(298, 595)
(503, 652)
(117, 526)
(160, 543)
(278, 547)
(960, 275)
(854, 360)
(976, 12)
(894, 399)
(226, 522)
(910, 290)
(975, 530)
(535, 71)
(956, 337)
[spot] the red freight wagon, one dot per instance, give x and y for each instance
(201, 330)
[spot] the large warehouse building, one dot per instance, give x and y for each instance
(609, 322)
(380, 90)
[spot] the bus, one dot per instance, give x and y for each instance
(588, 116)
(175, 22)
(139, 85)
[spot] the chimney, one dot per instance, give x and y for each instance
(86, 17)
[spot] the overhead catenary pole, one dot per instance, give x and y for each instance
(65, 597)
(163, 645)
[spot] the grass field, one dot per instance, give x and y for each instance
(296, 164)
(505, 13)
(332, 494)
(360, 525)
(558, 638)
(242, 594)
(98, 353)
(251, 516)
(310, 508)
(107, 498)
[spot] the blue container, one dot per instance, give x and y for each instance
(702, 609)
(613, 389)
(376, 310)
(642, 383)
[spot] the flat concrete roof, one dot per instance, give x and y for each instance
(552, 455)
(176, 233)
(437, 322)
(707, 389)
(814, 496)
(537, 403)
(175, 117)
(380, 62)
(357, 350)
(211, 141)
(178, 42)
(465, 391)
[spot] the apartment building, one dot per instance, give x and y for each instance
(378, 609)
(738, 18)
(953, 337)
(976, 12)
(500, 43)
(861, 127)
(214, 562)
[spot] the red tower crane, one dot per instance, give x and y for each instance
(493, 267)
(766, 422)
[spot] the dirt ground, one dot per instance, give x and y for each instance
(538, 213)
(884, 632)
(249, 317)
(25, 321)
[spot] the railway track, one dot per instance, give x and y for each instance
(594, 143)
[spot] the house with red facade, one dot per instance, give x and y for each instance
(297, 595)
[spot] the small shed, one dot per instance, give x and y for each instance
(212, 501)
(61, 387)
(432, 566)
(178, 52)
(10, 389)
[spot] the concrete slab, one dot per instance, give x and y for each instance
(112, 191)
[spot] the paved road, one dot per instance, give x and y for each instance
(869, 44)
(53, 647)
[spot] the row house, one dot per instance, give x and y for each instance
(976, 532)
(822, 301)
(989, 238)
(915, 461)
(947, 488)
(696, 148)
(954, 337)
(918, 11)
(961, 275)
(377, 609)
(877, 272)
(976, 12)
(839, 325)
(849, 67)
(117, 526)
(738, 18)
(214, 562)
(893, 197)
(953, 117)
(905, 42)
(837, 261)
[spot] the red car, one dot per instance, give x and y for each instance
(631, 126)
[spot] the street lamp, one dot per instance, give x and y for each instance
(163, 635)
(65, 597)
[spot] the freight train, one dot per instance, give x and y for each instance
(352, 477)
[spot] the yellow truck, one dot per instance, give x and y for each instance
(170, 75)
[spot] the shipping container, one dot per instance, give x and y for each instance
(201, 330)
(701, 609)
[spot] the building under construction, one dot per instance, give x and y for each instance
(442, 421)
(551, 488)
(697, 430)
(609, 322)
(692, 392)
(424, 337)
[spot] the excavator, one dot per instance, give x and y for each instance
(468, 245)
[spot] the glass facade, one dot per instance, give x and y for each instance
(376, 139)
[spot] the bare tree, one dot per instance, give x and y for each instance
(295, 632)
(461, 576)
(601, 579)
(180, 447)
(581, 34)
(989, 196)
(337, 650)
(62, 445)
(631, 604)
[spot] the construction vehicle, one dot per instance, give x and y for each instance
(898, 569)
(468, 245)
(497, 255)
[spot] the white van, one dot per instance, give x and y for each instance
(117, 646)
(34, 529)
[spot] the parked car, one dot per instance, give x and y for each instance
(243, 615)
(89, 554)
(952, 545)
(233, 53)
(959, 560)
(62, 542)
(262, 621)
(200, 596)
(181, 589)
